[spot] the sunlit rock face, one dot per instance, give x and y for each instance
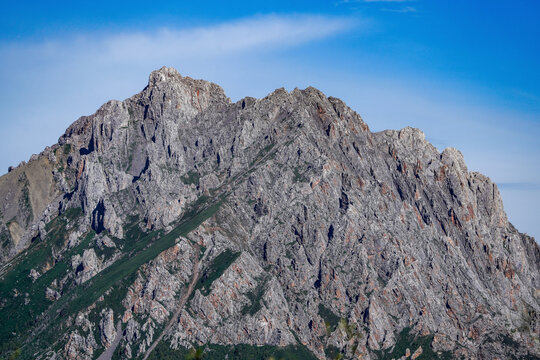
(280, 222)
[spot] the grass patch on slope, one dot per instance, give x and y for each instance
(138, 248)
(127, 265)
(191, 178)
(255, 298)
(232, 352)
(331, 320)
(246, 352)
(31, 296)
(18, 291)
(215, 270)
(405, 340)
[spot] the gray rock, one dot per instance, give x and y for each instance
(52, 294)
(86, 266)
(34, 275)
(79, 348)
(105, 241)
(107, 330)
(345, 237)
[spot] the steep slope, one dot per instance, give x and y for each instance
(268, 227)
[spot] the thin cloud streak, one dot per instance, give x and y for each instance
(267, 33)
(261, 33)
(406, 9)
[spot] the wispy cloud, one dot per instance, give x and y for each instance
(259, 33)
(406, 9)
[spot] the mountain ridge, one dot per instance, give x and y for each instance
(345, 241)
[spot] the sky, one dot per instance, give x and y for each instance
(465, 72)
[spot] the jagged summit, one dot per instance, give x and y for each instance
(279, 226)
(169, 79)
(164, 74)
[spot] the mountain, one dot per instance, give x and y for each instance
(177, 223)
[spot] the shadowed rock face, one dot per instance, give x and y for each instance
(312, 232)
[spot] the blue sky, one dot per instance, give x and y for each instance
(465, 72)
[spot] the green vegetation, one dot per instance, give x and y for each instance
(508, 341)
(130, 151)
(31, 294)
(244, 351)
(215, 270)
(333, 352)
(255, 298)
(299, 177)
(67, 149)
(24, 200)
(4, 239)
(405, 340)
(137, 248)
(195, 207)
(191, 178)
(137, 251)
(528, 316)
(232, 352)
(261, 155)
(382, 281)
(511, 343)
(117, 293)
(15, 354)
(56, 229)
(349, 329)
(45, 319)
(105, 252)
(331, 320)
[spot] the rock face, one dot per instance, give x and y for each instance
(280, 221)
(85, 266)
(106, 328)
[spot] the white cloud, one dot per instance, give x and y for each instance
(263, 33)
(406, 9)
(259, 33)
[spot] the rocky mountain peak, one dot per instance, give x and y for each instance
(165, 74)
(170, 84)
(281, 226)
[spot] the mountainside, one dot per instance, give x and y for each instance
(177, 223)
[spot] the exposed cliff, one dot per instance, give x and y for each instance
(192, 221)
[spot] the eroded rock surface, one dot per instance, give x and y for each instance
(310, 231)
